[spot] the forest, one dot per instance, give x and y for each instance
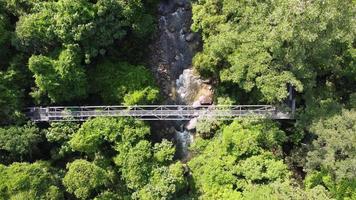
(95, 52)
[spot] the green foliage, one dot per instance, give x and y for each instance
(137, 160)
(59, 134)
(107, 195)
(282, 191)
(341, 189)
(29, 181)
(35, 32)
(122, 82)
(249, 138)
(65, 51)
(164, 152)
(333, 152)
(142, 169)
(262, 168)
(4, 38)
(236, 159)
(84, 178)
(92, 26)
(267, 45)
(20, 7)
(207, 127)
(19, 142)
(95, 132)
(163, 183)
(135, 163)
(10, 97)
(352, 100)
(73, 20)
(62, 80)
(141, 97)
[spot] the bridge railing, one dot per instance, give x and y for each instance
(152, 112)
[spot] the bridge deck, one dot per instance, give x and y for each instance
(154, 112)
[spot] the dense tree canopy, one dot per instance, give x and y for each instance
(58, 135)
(83, 178)
(96, 132)
(10, 97)
(266, 45)
(122, 82)
(333, 156)
(63, 79)
(98, 52)
(17, 143)
(29, 181)
(143, 167)
(241, 156)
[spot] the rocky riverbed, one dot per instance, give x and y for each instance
(171, 57)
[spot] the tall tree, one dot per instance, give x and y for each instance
(95, 133)
(331, 161)
(263, 46)
(238, 158)
(84, 179)
(63, 79)
(29, 181)
(17, 143)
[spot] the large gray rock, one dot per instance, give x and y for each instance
(192, 124)
(190, 37)
(206, 100)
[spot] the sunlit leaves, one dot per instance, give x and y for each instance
(83, 178)
(237, 158)
(62, 79)
(264, 46)
(29, 181)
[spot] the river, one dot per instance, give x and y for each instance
(171, 57)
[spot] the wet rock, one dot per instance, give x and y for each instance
(180, 3)
(192, 124)
(172, 51)
(172, 130)
(206, 100)
(172, 29)
(190, 37)
(207, 81)
(185, 29)
(196, 104)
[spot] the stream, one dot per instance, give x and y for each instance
(173, 49)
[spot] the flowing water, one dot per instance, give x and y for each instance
(172, 52)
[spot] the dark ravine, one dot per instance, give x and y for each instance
(174, 45)
(172, 51)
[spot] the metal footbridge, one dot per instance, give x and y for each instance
(155, 112)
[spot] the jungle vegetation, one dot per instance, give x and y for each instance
(76, 52)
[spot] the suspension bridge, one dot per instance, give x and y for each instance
(155, 112)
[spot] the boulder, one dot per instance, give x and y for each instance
(196, 104)
(179, 3)
(185, 29)
(206, 100)
(192, 124)
(190, 37)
